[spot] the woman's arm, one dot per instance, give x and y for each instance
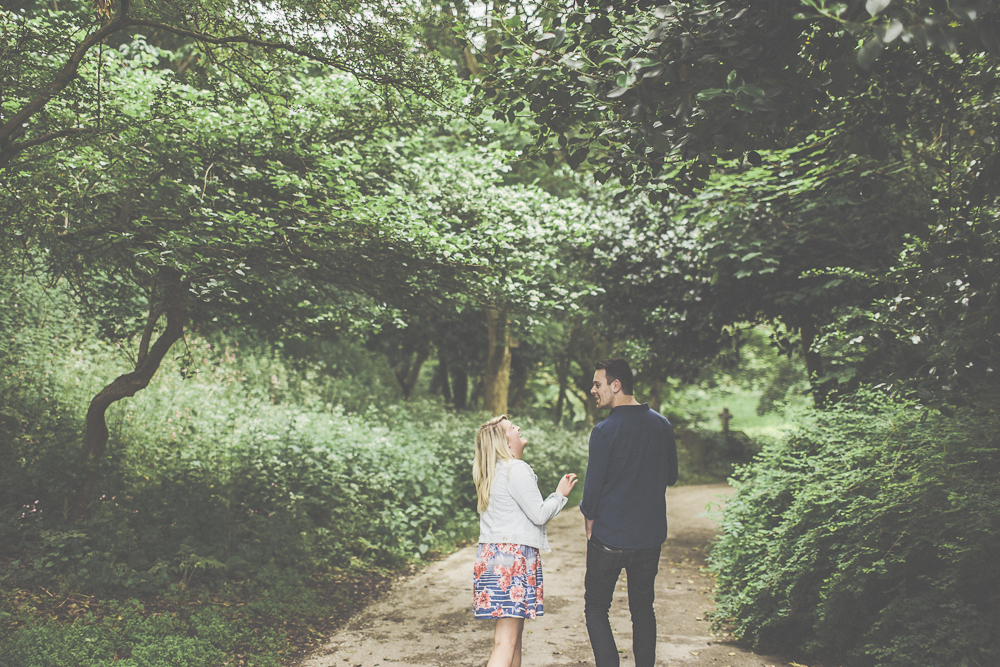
(524, 490)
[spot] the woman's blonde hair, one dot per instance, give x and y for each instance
(491, 447)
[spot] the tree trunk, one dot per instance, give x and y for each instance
(588, 349)
(440, 381)
(460, 388)
(497, 379)
(814, 362)
(172, 304)
(520, 373)
(409, 374)
(562, 375)
(656, 394)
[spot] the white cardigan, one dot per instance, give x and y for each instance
(516, 512)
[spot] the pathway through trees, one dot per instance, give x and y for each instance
(426, 620)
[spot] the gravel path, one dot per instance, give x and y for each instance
(426, 620)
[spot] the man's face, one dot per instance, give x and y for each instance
(602, 392)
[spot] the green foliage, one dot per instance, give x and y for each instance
(126, 637)
(854, 205)
(50, 48)
(232, 462)
(242, 469)
(655, 95)
(254, 204)
(755, 382)
(868, 532)
(45, 381)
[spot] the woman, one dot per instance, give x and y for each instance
(512, 516)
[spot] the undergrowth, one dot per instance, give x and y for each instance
(246, 496)
(869, 533)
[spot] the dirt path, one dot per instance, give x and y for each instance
(426, 620)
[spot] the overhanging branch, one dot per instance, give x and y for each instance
(12, 149)
(10, 129)
(62, 80)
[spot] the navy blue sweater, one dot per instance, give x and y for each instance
(633, 459)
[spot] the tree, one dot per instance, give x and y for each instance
(526, 244)
(201, 214)
(833, 152)
(250, 43)
(654, 98)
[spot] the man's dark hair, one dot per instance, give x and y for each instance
(617, 369)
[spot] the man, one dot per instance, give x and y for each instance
(633, 459)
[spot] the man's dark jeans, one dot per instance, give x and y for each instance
(604, 564)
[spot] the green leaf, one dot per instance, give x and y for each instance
(890, 32)
(876, 7)
(869, 52)
(750, 89)
(639, 63)
(710, 94)
(625, 80)
(560, 38)
(577, 157)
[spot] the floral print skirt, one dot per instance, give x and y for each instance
(507, 581)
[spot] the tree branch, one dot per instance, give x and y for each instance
(63, 79)
(10, 129)
(13, 149)
(147, 332)
(264, 44)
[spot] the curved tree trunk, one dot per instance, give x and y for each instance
(497, 379)
(172, 304)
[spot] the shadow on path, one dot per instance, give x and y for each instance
(426, 620)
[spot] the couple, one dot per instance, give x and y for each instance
(633, 459)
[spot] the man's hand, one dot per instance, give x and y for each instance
(590, 528)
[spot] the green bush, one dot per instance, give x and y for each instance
(213, 472)
(242, 469)
(45, 385)
(870, 532)
(126, 638)
(288, 487)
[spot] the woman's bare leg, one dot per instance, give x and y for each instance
(506, 643)
(515, 661)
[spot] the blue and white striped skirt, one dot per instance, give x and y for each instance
(507, 581)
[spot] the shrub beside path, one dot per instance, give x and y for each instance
(426, 620)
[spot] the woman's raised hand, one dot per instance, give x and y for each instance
(566, 484)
